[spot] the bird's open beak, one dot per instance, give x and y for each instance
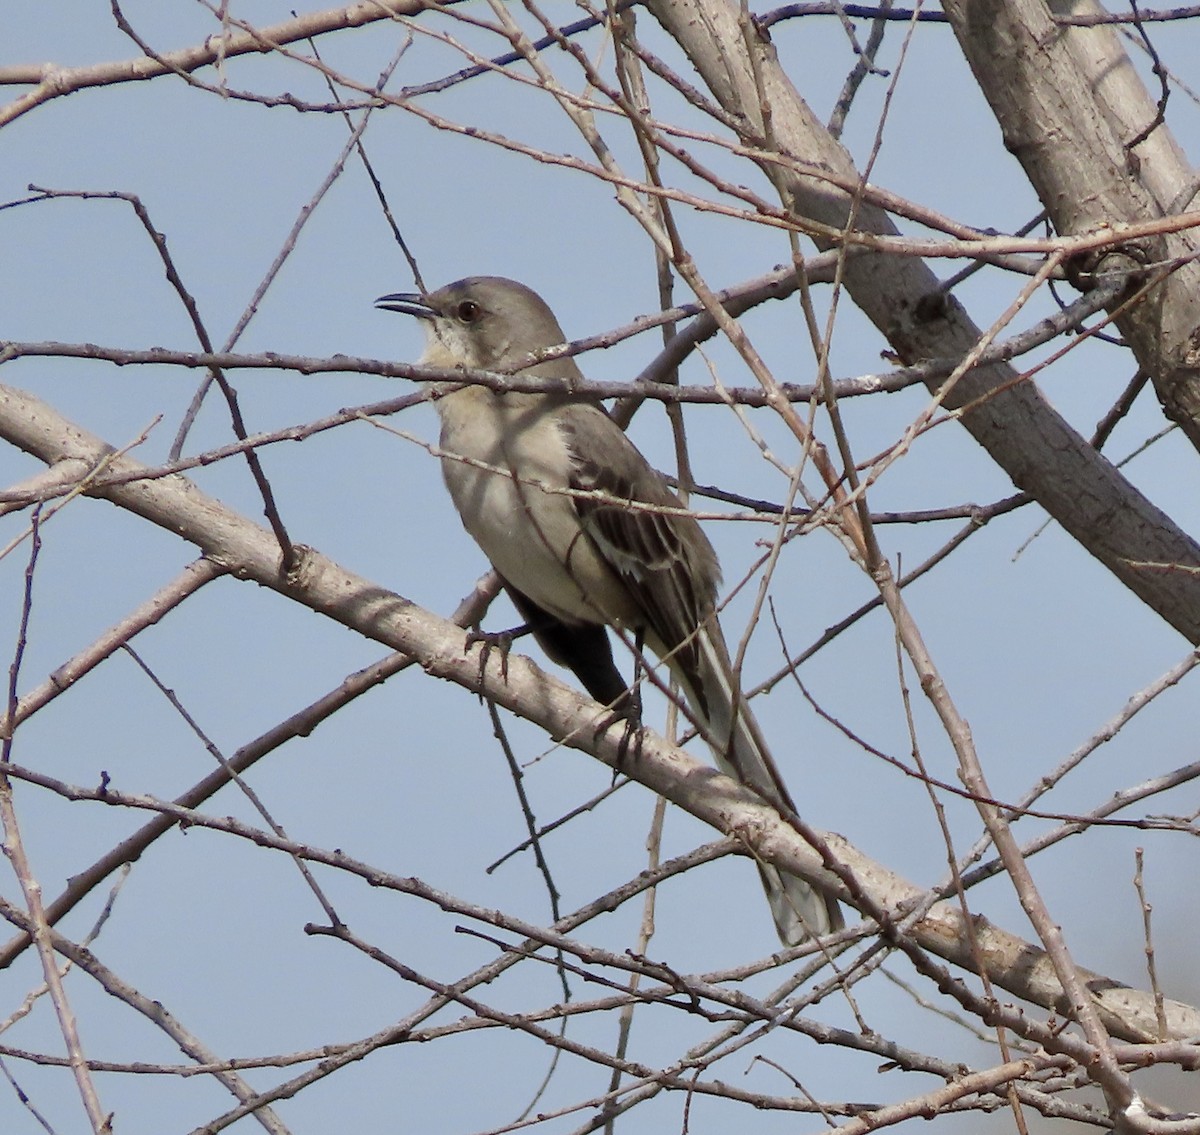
(408, 303)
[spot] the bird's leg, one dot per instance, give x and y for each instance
(629, 708)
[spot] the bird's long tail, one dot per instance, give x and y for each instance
(800, 911)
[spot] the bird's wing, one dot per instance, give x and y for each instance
(663, 557)
(671, 572)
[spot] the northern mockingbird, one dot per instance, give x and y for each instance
(622, 555)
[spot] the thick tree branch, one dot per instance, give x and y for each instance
(1073, 110)
(1035, 446)
(249, 552)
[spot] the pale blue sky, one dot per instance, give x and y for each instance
(1039, 650)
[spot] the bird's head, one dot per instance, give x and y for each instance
(487, 322)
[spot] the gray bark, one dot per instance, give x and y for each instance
(249, 552)
(1070, 105)
(1035, 446)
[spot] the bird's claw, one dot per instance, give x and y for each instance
(627, 711)
(490, 640)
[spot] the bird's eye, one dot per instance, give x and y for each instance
(468, 311)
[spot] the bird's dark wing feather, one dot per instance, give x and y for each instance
(671, 572)
(665, 557)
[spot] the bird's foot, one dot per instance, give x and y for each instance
(627, 712)
(495, 640)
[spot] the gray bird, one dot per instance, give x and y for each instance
(575, 565)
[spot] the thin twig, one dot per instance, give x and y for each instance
(14, 850)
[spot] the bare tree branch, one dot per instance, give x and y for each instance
(248, 552)
(1034, 445)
